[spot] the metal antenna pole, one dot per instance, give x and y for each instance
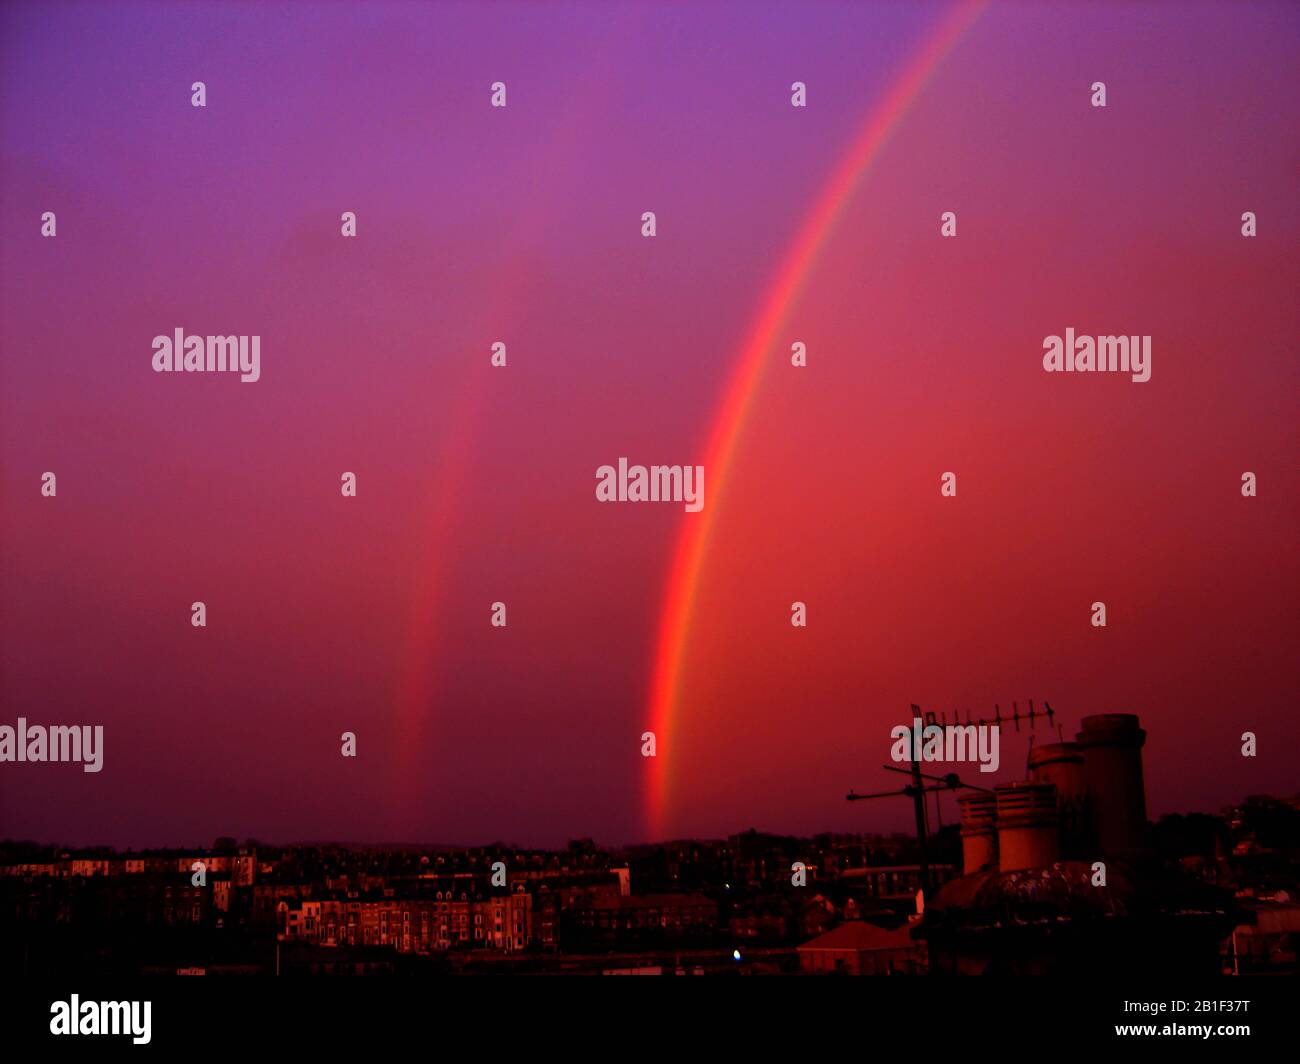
(917, 790)
(918, 807)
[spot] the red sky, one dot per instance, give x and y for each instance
(477, 484)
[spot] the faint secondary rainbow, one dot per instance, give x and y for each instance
(774, 310)
(419, 675)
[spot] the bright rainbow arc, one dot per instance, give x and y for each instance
(728, 425)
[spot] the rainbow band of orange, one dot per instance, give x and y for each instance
(775, 308)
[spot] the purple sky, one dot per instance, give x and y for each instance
(475, 485)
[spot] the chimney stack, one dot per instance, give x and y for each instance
(1061, 764)
(979, 840)
(1028, 826)
(1112, 768)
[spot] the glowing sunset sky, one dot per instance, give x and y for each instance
(775, 224)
